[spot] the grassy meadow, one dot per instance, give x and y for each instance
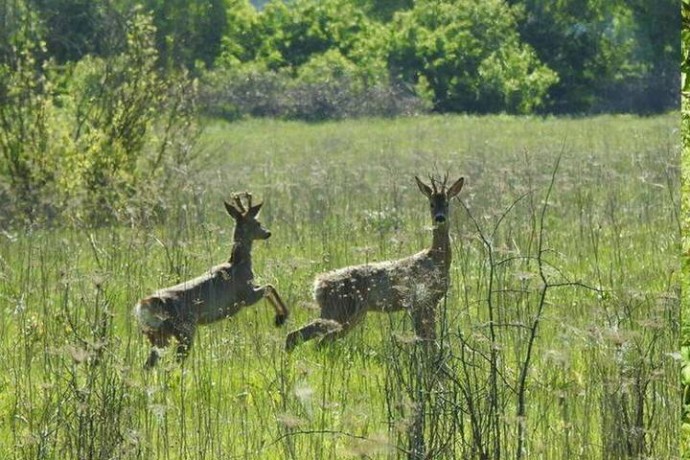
(556, 339)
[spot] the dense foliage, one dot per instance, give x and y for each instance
(618, 56)
(568, 56)
(82, 139)
(467, 56)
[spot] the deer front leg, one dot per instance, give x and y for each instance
(159, 339)
(424, 321)
(270, 294)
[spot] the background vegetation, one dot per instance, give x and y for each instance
(98, 100)
(570, 56)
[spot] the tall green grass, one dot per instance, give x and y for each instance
(555, 340)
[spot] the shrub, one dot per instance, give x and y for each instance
(85, 141)
(252, 90)
(248, 89)
(308, 60)
(26, 111)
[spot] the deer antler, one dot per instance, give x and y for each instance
(439, 185)
(236, 198)
(432, 181)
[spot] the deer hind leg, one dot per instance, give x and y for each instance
(316, 328)
(345, 327)
(328, 329)
(185, 337)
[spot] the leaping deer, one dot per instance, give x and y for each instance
(223, 291)
(416, 283)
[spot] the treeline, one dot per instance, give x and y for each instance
(98, 100)
(327, 58)
(568, 56)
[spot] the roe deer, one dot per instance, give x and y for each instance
(218, 294)
(416, 283)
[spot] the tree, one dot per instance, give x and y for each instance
(466, 56)
(85, 137)
(187, 31)
(658, 26)
(291, 33)
(383, 10)
(242, 38)
(26, 108)
(614, 55)
(73, 28)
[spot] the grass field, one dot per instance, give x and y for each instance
(557, 339)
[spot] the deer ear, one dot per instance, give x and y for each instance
(425, 189)
(456, 187)
(234, 213)
(254, 210)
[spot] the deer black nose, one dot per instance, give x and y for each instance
(440, 218)
(268, 234)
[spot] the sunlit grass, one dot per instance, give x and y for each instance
(71, 383)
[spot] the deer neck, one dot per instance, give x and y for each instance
(440, 245)
(241, 253)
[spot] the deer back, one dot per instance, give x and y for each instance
(383, 286)
(217, 294)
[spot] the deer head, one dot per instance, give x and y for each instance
(439, 196)
(247, 227)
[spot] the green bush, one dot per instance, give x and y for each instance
(293, 32)
(331, 86)
(84, 140)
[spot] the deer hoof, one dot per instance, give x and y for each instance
(280, 320)
(151, 361)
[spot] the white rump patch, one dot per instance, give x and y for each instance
(147, 319)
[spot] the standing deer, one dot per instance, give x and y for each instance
(416, 283)
(223, 291)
